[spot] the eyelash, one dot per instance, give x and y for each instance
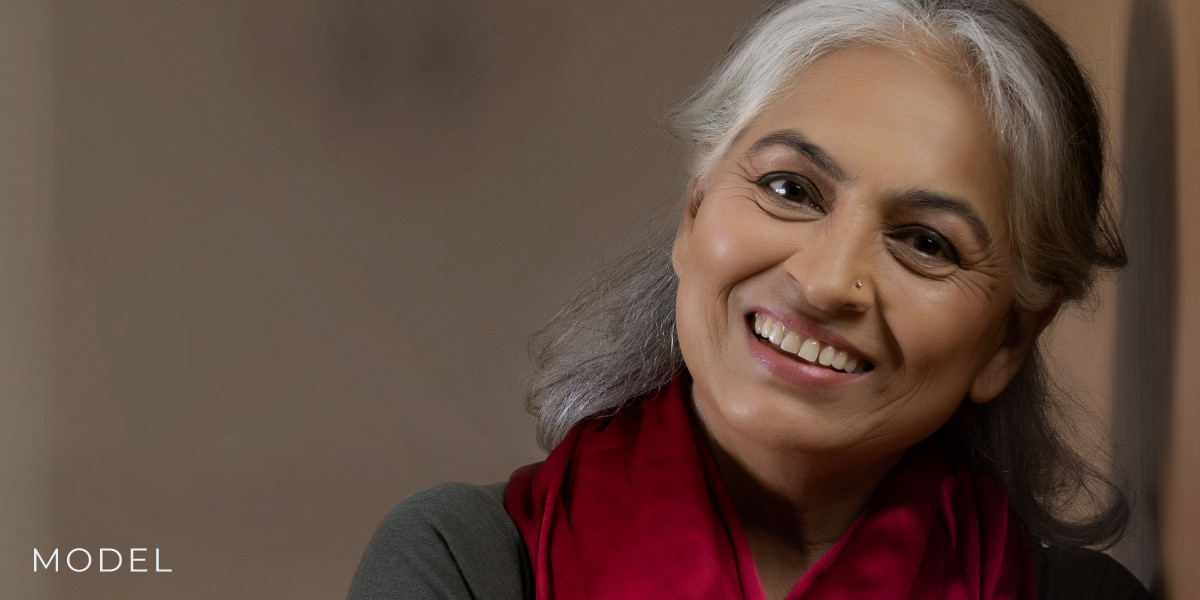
(814, 196)
(944, 245)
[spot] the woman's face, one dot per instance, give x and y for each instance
(878, 168)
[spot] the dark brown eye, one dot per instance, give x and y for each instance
(927, 243)
(790, 189)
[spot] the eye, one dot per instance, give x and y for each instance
(926, 244)
(791, 191)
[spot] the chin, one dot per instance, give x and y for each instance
(774, 419)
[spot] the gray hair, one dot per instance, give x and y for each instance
(616, 340)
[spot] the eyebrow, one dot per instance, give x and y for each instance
(801, 145)
(927, 200)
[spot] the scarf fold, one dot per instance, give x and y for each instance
(632, 506)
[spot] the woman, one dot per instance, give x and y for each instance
(826, 383)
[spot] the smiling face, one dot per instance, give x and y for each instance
(864, 211)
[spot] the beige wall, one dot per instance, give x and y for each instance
(295, 246)
(1135, 358)
(298, 244)
(1180, 491)
(26, 212)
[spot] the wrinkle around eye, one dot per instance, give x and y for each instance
(918, 263)
(735, 190)
(808, 208)
(946, 252)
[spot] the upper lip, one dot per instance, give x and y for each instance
(809, 329)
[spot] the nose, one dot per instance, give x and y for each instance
(834, 267)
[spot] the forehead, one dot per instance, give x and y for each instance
(892, 121)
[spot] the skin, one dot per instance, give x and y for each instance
(937, 321)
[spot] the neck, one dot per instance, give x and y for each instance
(793, 506)
(807, 500)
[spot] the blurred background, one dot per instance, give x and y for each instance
(266, 266)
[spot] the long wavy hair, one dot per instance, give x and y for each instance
(615, 340)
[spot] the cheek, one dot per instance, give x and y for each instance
(945, 336)
(726, 247)
(730, 243)
(938, 364)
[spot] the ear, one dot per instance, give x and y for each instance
(695, 194)
(1021, 331)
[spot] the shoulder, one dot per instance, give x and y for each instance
(452, 507)
(1079, 574)
(451, 540)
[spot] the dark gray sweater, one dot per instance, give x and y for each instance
(454, 540)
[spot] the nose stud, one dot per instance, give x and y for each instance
(858, 284)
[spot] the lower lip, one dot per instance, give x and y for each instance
(793, 369)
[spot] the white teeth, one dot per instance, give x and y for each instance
(776, 335)
(810, 350)
(791, 342)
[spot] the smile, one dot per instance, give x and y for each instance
(809, 350)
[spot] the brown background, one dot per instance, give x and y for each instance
(265, 266)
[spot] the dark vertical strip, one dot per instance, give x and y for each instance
(1146, 293)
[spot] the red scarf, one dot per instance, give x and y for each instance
(632, 506)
